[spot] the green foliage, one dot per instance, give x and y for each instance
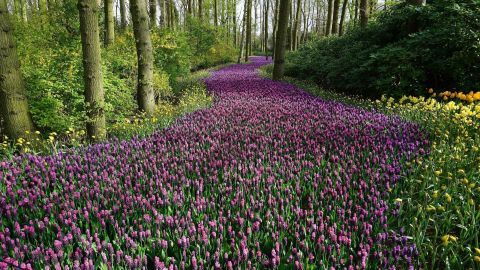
(404, 51)
(52, 67)
(50, 52)
(208, 45)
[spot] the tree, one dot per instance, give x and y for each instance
(295, 26)
(13, 100)
(244, 21)
(248, 26)
(364, 11)
(215, 12)
(342, 18)
(92, 69)
(275, 24)
(336, 7)
(328, 27)
(145, 93)
(265, 19)
(123, 15)
(280, 44)
(153, 12)
(234, 22)
(109, 19)
(200, 9)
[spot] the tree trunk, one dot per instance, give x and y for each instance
(265, 22)
(215, 12)
(161, 4)
(328, 27)
(92, 69)
(123, 15)
(243, 31)
(145, 94)
(275, 25)
(342, 19)
(234, 22)
(153, 12)
(248, 34)
(356, 12)
(13, 100)
(295, 26)
(109, 22)
(336, 7)
(364, 11)
(290, 29)
(189, 7)
(200, 10)
(279, 64)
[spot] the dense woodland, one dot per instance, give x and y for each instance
(239, 134)
(50, 46)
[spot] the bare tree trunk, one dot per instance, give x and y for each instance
(364, 13)
(153, 12)
(123, 15)
(342, 18)
(279, 64)
(290, 29)
(109, 22)
(356, 11)
(248, 35)
(92, 69)
(275, 28)
(295, 27)
(189, 7)
(163, 10)
(145, 94)
(266, 28)
(234, 22)
(336, 7)
(243, 31)
(215, 12)
(200, 9)
(329, 18)
(13, 99)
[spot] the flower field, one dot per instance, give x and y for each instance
(269, 176)
(440, 198)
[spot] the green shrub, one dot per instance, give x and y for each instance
(404, 51)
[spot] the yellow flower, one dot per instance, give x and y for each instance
(477, 250)
(448, 197)
(435, 194)
(447, 238)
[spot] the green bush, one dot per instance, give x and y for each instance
(52, 67)
(50, 52)
(209, 45)
(406, 50)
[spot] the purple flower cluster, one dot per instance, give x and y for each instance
(268, 176)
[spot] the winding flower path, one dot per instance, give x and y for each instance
(268, 176)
